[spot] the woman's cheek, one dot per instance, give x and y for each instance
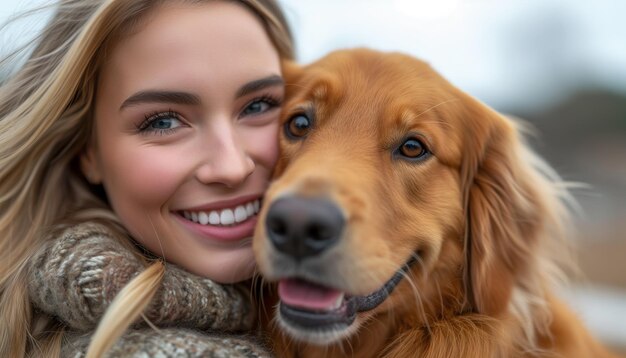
(146, 175)
(263, 145)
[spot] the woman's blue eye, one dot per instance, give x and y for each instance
(161, 123)
(165, 123)
(259, 106)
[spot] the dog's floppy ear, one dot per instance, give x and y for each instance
(503, 209)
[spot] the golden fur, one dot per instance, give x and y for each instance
(482, 215)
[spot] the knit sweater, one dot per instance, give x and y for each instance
(77, 274)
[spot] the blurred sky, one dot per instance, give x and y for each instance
(509, 53)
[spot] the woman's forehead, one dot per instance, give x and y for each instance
(218, 45)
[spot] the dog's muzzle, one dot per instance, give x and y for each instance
(303, 232)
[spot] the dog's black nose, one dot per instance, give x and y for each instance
(303, 227)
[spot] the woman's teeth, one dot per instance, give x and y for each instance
(225, 216)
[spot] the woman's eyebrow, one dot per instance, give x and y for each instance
(176, 97)
(161, 96)
(269, 81)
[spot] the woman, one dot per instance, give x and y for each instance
(137, 133)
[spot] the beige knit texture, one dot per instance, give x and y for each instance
(171, 342)
(77, 274)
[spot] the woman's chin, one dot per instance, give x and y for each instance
(228, 265)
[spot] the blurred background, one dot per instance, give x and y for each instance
(560, 64)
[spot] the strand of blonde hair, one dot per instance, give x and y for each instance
(133, 298)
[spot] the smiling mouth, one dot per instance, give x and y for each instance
(223, 217)
(308, 306)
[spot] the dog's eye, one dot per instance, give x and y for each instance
(298, 126)
(413, 148)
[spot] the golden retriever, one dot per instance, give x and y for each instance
(407, 219)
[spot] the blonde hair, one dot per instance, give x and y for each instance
(45, 123)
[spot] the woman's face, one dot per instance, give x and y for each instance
(186, 119)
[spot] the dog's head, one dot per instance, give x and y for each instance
(389, 174)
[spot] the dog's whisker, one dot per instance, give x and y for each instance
(290, 341)
(351, 348)
(257, 290)
(437, 105)
(343, 348)
(418, 302)
(425, 273)
(442, 309)
(413, 279)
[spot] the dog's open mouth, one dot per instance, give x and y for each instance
(310, 306)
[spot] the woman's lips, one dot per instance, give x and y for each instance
(225, 221)
(219, 233)
(225, 216)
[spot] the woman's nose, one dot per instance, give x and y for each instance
(226, 161)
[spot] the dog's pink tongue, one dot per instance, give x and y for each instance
(307, 295)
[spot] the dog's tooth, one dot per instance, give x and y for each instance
(203, 218)
(338, 302)
(187, 215)
(240, 214)
(257, 205)
(227, 217)
(250, 209)
(194, 217)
